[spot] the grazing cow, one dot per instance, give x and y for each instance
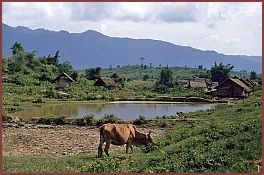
(120, 134)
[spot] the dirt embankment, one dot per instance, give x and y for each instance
(31, 139)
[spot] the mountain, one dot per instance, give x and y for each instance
(93, 49)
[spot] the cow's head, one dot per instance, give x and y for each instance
(150, 139)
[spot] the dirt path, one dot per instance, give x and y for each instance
(53, 140)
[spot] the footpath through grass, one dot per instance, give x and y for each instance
(226, 140)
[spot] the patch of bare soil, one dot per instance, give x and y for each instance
(63, 140)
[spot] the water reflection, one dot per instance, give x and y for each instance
(126, 111)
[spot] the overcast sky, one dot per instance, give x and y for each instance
(229, 28)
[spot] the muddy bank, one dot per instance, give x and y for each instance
(37, 140)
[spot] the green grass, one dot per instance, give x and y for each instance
(227, 140)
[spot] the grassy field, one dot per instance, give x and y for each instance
(226, 140)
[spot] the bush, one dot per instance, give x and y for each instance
(39, 100)
(4, 117)
(89, 118)
(46, 121)
(140, 120)
(60, 120)
(110, 118)
(80, 122)
(107, 165)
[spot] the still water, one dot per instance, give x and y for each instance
(124, 110)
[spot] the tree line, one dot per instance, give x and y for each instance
(47, 68)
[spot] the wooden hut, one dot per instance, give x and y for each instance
(63, 80)
(233, 88)
(106, 82)
(197, 84)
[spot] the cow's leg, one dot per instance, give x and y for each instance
(127, 147)
(107, 145)
(100, 149)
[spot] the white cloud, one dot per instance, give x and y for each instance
(231, 41)
(103, 27)
(214, 38)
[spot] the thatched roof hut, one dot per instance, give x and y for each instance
(235, 87)
(63, 80)
(106, 82)
(197, 83)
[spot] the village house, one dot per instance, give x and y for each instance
(106, 82)
(197, 84)
(63, 80)
(211, 90)
(235, 87)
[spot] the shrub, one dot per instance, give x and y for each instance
(4, 117)
(39, 100)
(60, 120)
(100, 122)
(89, 118)
(140, 120)
(110, 118)
(107, 165)
(46, 121)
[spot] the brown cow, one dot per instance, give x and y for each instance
(120, 134)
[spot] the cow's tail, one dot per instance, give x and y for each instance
(102, 140)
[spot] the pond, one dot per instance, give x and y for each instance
(124, 110)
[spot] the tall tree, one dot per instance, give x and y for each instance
(17, 47)
(253, 75)
(142, 59)
(220, 72)
(166, 77)
(75, 75)
(166, 81)
(54, 60)
(65, 67)
(93, 73)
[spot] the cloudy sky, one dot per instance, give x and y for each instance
(229, 28)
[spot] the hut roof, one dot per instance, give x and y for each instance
(64, 74)
(214, 84)
(247, 81)
(198, 84)
(104, 81)
(199, 79)
(239, 82)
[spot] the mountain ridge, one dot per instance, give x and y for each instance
(93, 49)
